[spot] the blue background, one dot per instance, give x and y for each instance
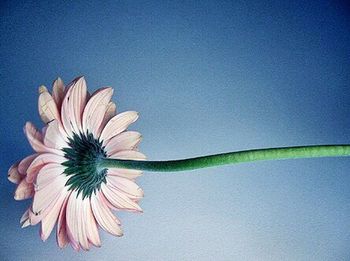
(206, 77)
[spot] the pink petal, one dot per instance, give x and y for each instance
(91, 226)
(119, 199)
(73, 105)
(104, 217)
(36, 217)
(118, 124)
(95, 110)
(71, 221)
(35, 139)
(49, 221)
(25, 163)
(125, 173)
(130, 188)
(39, 162)
(61, 233)
(58, 91)
(48, 174)
(108, 204)
(24, 190)
(75, 220)
(71, 218)
(47, 194)
(55, 136)
(127, 140)
(83, 234)
(47, 107)
(34, 136)
(75, 244)
(13, 175)
(111, 111)
(128, 155)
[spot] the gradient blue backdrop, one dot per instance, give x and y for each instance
(206, 77)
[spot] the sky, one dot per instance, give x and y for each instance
(206, 77)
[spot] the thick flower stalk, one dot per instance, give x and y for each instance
(86, 162)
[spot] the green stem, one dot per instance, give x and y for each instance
(230, 158)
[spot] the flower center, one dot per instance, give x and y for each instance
(83, 154)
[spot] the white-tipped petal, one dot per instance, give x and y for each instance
(25, 219)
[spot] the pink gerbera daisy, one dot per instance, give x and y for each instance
(64, 177)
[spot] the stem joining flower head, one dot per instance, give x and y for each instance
(83, 154)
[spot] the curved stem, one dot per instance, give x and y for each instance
(230, 158)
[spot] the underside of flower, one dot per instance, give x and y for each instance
(64, 176)
(83, 154)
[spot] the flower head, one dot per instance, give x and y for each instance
(64, 178)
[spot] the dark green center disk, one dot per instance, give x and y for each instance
(83, 154)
